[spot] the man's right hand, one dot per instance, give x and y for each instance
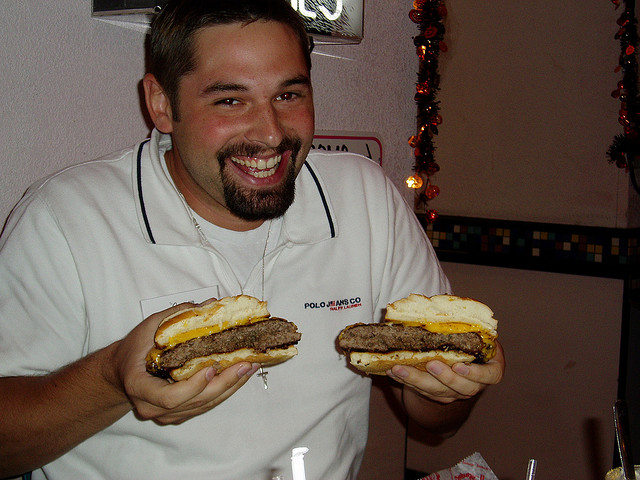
(158, 399)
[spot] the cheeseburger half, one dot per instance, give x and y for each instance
(220, 334)
(418, 329)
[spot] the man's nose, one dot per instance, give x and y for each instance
(266, 127)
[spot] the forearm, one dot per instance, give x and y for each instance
(43, 417)
(443, 419)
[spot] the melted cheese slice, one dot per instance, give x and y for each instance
(204, 331)
(449, 328)
(441, 327)
(153, 357)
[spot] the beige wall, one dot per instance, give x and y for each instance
(525, 97)
(561, 334)
(528, 113)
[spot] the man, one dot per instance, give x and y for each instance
(206, 208)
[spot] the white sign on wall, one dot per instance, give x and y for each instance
(364, 143)
(332, 21)
(327, 21)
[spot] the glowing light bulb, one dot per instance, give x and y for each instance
(431, 216)
(414, 181)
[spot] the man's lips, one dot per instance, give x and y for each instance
(258, 167)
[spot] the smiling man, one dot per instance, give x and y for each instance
(242, 122)
(224, 199)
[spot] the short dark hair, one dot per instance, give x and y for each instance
(171, 40)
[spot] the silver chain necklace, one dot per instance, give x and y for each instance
(206, 241)
(262, 372)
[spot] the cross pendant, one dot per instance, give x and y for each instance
(263, 374)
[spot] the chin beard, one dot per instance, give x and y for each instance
(259, 204)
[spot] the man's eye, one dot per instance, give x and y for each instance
(287, 96)
(227, 101)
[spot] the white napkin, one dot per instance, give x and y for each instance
(474, 467)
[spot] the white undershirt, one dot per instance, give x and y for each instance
(243, 250)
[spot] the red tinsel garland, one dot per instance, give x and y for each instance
(624, 152)
(428, 15)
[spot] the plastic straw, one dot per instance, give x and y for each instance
(531, 469)
(297, 462)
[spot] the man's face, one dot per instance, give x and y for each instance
(246, 122)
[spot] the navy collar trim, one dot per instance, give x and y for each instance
(323, 198)
(140, 195)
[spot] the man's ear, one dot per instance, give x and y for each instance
(158, 104)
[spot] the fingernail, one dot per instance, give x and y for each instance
(210, 373)
(435, 367)
(400, 372)
(243, 370)
(461, 369)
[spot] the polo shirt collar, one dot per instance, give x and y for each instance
(165, 217)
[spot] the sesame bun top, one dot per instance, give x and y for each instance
(419, 309)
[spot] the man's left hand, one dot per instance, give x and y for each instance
(446, 384)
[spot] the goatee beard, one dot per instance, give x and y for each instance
(253, 204)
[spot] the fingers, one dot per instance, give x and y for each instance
(496, 366)
(440, 382)
(157, 399)
(174, 403)
(447, 384)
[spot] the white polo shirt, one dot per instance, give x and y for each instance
(91, 250)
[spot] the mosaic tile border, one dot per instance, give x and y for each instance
(612, 252)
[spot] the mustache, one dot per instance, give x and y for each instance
(251, 150)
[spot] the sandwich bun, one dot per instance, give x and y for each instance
(418, 329)
(220, 361)
(444, 310)
(220, 333)
(209, 317)
(379, 363)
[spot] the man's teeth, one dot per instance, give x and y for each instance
(259, 168)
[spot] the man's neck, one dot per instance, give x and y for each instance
(202, 203)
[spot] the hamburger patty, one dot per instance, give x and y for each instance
(261, 336)
(388, 337)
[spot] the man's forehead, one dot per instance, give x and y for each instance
(224, 29)
(234, 42)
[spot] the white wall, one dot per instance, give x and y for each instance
(561, 335)
(68, 90)
(525, 97)
(370, 86)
